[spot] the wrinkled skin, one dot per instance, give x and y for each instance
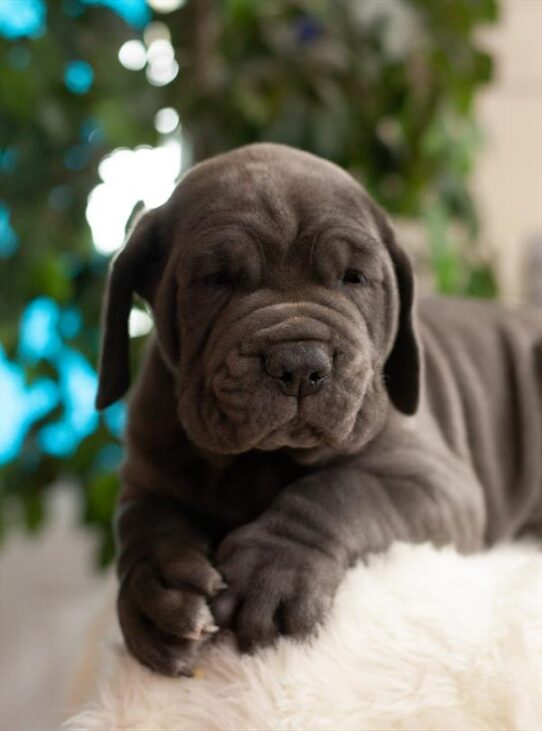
(259, 244)
(246, 494)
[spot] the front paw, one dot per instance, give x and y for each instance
(163, 610)
(276, 586)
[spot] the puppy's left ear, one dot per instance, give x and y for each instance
(137, 269)
(402, 370)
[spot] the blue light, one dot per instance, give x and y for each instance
(21, 406)
(21, 18)
(60, 197)
(92, 132)
(70, 322)
(9, 241)
(115, 418)
(77, 157)
(57, 439)
(19, 58)
(78, 382)
(109, 458)
(307, 30)
(78, 77)
(38, 334)
(9, 157)
(72, 8)
(71, 264)
(134, 12)
(43, 329)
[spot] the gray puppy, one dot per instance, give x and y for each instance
(295, 413)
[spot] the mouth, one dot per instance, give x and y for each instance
(264, 418)
(295, 433)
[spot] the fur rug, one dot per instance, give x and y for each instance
(419, 640)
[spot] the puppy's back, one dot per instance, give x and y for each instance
(483, 386)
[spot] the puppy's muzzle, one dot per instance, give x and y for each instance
(298, 369)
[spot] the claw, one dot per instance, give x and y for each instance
(183, 670)
(198, 633)
(210, 629)
(194, 635)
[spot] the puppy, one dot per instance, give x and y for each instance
(295, 413)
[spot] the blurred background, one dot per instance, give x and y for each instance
(436, 105)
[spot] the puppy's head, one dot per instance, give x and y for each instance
(282, 303)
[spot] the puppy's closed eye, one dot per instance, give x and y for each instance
(217, 280)
(221, 278)
(353, 276)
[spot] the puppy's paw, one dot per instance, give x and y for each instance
(275, 587)
(163, 610)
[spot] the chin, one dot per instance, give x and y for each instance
(296, 434)
(271, 423)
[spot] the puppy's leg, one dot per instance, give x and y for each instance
(283, 569)
(166, 582)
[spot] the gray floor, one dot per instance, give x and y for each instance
(48, 596)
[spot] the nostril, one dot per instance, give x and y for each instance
(315, 377)
(287, 377)
(299, 368)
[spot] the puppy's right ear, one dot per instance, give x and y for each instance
(402, 370)
(136, 268)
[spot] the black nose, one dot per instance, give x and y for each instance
(300, 369)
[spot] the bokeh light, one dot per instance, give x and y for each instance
(91, 131)
(22, 18)
(166, 120)
(9, 240)
(9, 157)
(77, 157)
(140, 323)
(22, 405)
(78, 76)
(77, 382)
(38, 333)
(165, 6)
(70, 322)
(146, 174)
(109, 458)
(132, 55)
(43, 328)
(162, 71)
(115, 418)
(60, 197)
(19, 57)
(162, 67)
(156, 31)
(134, 12)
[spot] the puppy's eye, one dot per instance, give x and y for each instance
(352, 276)
(220, 279)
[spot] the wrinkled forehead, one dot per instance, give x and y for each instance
(278, 197)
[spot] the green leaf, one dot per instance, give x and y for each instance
(481, 282)
(34, 512)
(101, 498)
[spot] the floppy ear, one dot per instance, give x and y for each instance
(137, 268)
(402, 370)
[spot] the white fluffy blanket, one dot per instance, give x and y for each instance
(419, 640)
